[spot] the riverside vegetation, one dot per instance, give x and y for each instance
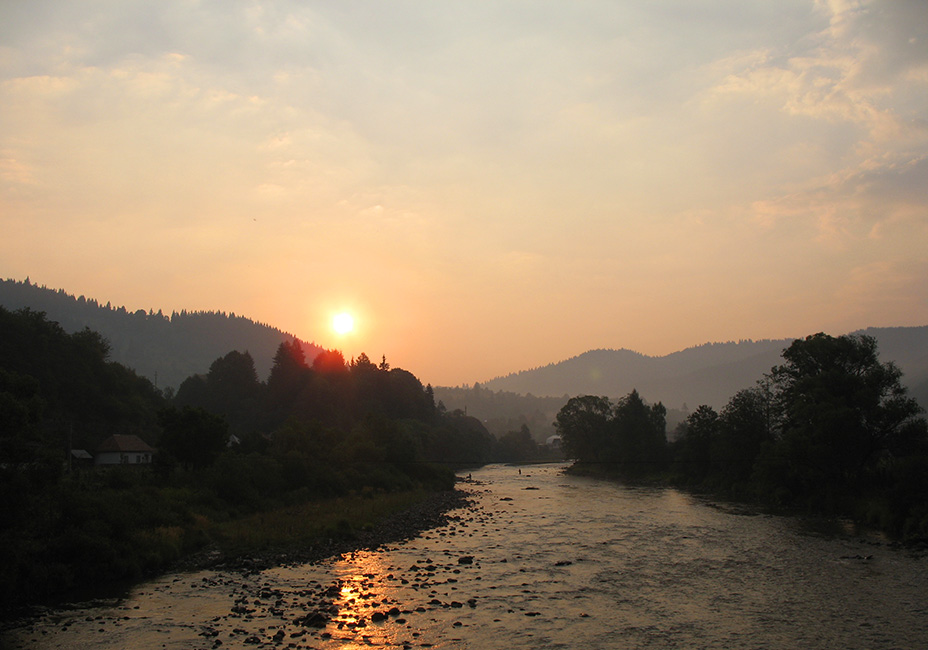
(830, 431)
(324, 449)
(320, 450)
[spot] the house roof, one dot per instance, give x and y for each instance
(124, 443)
(81, 454)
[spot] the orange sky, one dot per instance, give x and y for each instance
(486, 187)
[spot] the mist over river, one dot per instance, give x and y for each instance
(541, 560)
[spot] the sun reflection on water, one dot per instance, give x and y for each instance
(367, 603)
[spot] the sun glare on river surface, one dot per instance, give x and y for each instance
(342, 323)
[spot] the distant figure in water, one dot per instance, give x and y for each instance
(520, 472)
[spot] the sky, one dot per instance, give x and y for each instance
(486, 187)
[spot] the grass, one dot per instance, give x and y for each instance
(308, 523)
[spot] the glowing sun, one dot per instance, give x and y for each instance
(342, 323)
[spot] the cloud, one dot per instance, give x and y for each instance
(850, 71)
(722, 158)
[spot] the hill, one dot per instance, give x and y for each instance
(501, 411)
(165, 349)
(706, 374)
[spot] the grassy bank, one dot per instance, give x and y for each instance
(121, 526)
(309, 524)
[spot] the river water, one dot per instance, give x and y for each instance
(541, 560)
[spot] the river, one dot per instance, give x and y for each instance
(541, 560)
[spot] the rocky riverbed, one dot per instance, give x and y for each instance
(260, 612)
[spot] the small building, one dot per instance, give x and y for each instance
(554, 442)
(79, 458)
(123, 449)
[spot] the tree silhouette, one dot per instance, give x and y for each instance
(698, 439)
(583, 426)
(838, 412)
(192, 436)
(638, 441)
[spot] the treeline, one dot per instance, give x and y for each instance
(831, 431)
(504, 412)
(166, 348)
(376, 413)
(345, 396)
(227, 446)
(58, 391)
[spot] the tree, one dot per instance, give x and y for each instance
(289, 365)
(234, 376)
(838, 411)
(91, 344)
(629, 437)
(20, 410)
(363, 364)
(583, 424)
(514, 446)
(329, 362)
(289, 373)
(744, 431)
(638, 443)
(193, 391)
(192, 436)
(405, 397)
(369, 385)
(234, 391)
(693, 449)
(458, 440)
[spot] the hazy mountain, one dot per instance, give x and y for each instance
(502, 411)
(166, 349)
(707, 374)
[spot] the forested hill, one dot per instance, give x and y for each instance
(707, 374)
(164, 348)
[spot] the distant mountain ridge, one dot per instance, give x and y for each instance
(165, 349)
(168, 349)
(707, 374)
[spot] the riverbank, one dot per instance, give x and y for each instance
(856, 521)
(317, 531)
(386, 521)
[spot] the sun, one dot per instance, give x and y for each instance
(342, 323)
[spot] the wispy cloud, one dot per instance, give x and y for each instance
(602, 165)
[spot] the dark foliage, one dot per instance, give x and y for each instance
(165, 348)
(192, 437)
(830, 431)
(62, 388)
(312, 431)
(58, 391)
(626, 438)
(503, 412)
(842, 420)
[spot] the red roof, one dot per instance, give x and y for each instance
(124, 443)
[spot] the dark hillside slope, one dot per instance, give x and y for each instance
(907, 347)
(165, 349)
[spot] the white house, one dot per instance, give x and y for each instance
(123, 450)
